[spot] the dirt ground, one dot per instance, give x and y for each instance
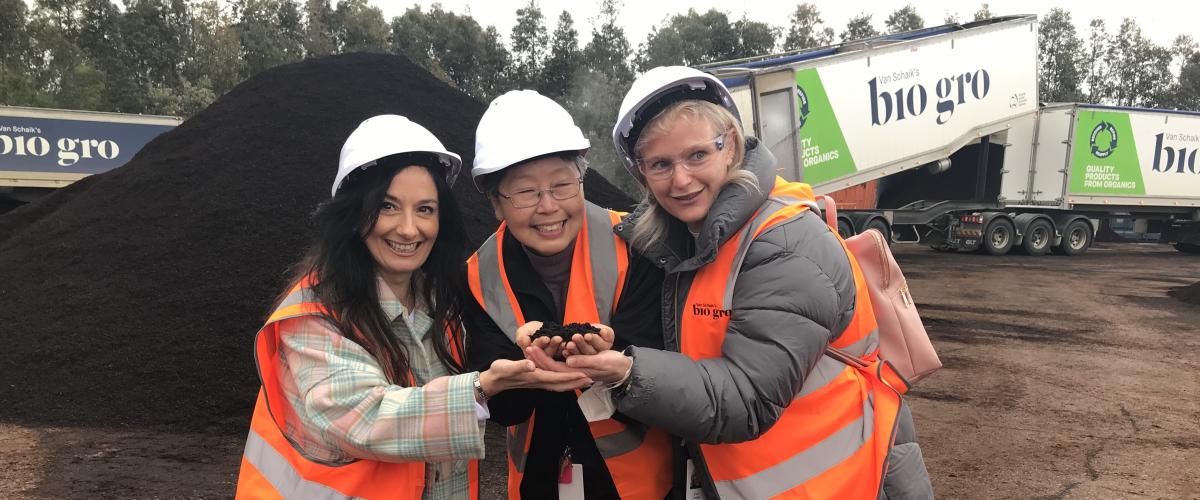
(1064, 378)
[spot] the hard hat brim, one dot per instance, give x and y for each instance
(691, 84)
(450, 161)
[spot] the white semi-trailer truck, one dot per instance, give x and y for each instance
(45, 149)
(1100, 161)
(856, 121)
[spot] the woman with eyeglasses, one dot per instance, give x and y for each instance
(770, 372)
(364, 391)
(555, 259)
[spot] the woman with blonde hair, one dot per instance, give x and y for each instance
(364, 390)
(758, 293)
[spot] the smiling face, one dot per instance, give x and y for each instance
(686, 194)
(407, 226)
(550, 226)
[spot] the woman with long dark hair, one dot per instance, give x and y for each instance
(364, 392)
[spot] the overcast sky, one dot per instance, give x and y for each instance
(1160, 20)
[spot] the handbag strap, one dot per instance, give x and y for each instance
(826, 207)
(844, 357)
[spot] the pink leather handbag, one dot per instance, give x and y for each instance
(903, 340)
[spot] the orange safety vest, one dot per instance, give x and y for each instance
(638, 457)
(274, 469)
(833, 440)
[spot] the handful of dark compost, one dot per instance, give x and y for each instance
(564, 332)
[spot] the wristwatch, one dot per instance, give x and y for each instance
(480, 396)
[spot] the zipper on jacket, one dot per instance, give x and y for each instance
(672, 343)
(691, 451)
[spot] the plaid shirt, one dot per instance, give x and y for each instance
(348, 410)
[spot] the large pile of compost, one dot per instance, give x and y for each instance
(1189, 294)
(132, 298)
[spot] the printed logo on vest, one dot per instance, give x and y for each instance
(709, 311)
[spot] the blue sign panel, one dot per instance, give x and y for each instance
(70, 146)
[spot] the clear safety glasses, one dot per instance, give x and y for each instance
(696, 158)
(526, 198)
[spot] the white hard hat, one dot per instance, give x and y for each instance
(382, 136)
(519, 125)
(652, 92)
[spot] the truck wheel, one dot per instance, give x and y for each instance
(1187, 248)
(998, 238)
(1077, 237)
(845, 230)
(882, 227)
(1038, 237)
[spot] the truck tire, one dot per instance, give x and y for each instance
(882, 227)
(1039, 237)
(998, 237)
(844, 229)
(1187, 248)
(1077, 238)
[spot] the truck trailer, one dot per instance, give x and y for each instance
(1102, 161)
(937, 136)
(46, 149)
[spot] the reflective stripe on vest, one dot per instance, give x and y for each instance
(595, 248)
(272, 467)
(284, 479)
(832, 441)
(638, 458)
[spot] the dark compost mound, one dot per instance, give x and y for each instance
(133, 298)
(1189, 294)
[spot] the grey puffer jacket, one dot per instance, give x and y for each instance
(794, 295)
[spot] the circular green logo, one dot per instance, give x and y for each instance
(1102, 148)
(803, 105)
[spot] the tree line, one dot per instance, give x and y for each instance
(175, 57)
(1120, 67)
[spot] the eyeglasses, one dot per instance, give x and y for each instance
(526, 198)
(699, 157)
